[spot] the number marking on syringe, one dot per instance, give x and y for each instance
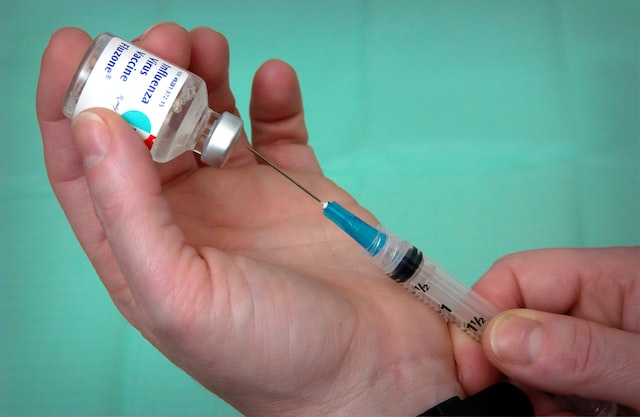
(474, 325)
(476, 321)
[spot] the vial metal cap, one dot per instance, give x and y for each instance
(223, 134)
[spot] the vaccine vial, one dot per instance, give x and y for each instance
(167, 105)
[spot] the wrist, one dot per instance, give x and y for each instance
(405, 393)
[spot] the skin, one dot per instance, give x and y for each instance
(209, 265)
(580, 331)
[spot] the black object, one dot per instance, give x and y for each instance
(498, 400)
(407, 266)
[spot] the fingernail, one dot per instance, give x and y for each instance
(91, 136)
(149, 29)
(516, 340)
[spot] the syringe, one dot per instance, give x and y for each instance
(420, 275)
(406, 264)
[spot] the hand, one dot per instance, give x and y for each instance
(580, 332)
(233, 273)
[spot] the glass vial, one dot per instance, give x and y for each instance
(165, 104)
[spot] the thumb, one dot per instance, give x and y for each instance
(565, 355)
(136, 218)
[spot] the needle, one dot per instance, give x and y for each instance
(430, 283)
(256, 153)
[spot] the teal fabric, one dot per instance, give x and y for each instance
(471, 128)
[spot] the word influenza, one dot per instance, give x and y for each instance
(132, 65)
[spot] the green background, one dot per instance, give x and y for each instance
(471, 128)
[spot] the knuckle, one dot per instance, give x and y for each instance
(580, 354)
(109, 210)
(583, 352)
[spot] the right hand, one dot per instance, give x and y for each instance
(572, 321)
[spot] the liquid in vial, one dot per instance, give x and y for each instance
(167, 105)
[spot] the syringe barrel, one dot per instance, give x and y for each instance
(457, 303)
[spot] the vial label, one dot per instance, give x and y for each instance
(134, 83)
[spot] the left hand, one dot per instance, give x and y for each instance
(233, 273)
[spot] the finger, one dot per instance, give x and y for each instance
(277, 118)
(210, 60)
(136, 218)
(169, 41)
(63, 162)
(59, 61)
(565, 355)
(582, 282)
(172, 43)
(473, 369)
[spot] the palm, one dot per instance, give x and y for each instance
(234, 274)
(293, 293)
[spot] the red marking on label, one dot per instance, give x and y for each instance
(149, 141)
